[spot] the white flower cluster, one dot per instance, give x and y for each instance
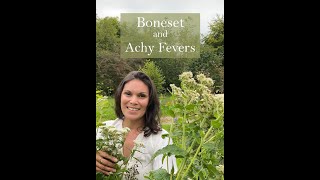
(112, 140)
(220, 168)
(204, 80)
(196, 91)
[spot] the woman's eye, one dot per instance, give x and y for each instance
(141, 95)
(127, 93)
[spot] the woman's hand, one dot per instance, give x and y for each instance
(105, 163)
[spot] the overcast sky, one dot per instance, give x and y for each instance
(208, 9)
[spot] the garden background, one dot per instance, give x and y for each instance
(191, 97)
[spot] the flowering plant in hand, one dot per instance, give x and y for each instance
(111, 141)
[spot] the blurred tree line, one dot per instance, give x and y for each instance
(110, 68)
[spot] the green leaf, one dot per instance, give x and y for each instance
(169, 150)
(170, 113)
(164, 136)
(163, 159)
(159, 174)
(99, 176)
(178, 106)
(202, 134)
(211, 168)
(99, 124)
(209, 146)
(215, 123)
(190, 107)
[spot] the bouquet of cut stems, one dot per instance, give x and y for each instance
(111, 141)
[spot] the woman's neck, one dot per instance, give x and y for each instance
(136, 125)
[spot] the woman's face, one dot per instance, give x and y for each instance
(134, 100)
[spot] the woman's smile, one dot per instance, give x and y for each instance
(134, 100)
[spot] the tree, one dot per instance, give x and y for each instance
(110, 70)
(108, 34)
(171, 69)
(215, 38)
(210, 64)
(155, 74)
(211, 61)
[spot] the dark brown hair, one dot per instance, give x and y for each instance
(151, 117)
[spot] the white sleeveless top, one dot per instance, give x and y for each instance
(137, 170)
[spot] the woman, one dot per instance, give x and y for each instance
(137, 107)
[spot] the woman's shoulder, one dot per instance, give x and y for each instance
(157, 141)
(116, 123)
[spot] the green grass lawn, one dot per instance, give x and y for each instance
(164, 99)
(110, 114)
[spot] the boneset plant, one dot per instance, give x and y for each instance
(111, 141)
(197, 131)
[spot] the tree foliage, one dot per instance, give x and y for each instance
(110, 68)
(155, 73)
(171, 69)
(215, 38)
(108, 34)
(211, 61)
(210, 64)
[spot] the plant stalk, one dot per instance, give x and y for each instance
(195, 155)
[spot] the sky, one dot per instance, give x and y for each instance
(208, 9)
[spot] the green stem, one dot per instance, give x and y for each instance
(195, 155)
(216, 134)
(185, 160)
(197, 175)
(168, 164)
(171, 128)
(192, 144)
(211, 138)
(181, 168)
(184, 145)
(203, 121)
(126, 162)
